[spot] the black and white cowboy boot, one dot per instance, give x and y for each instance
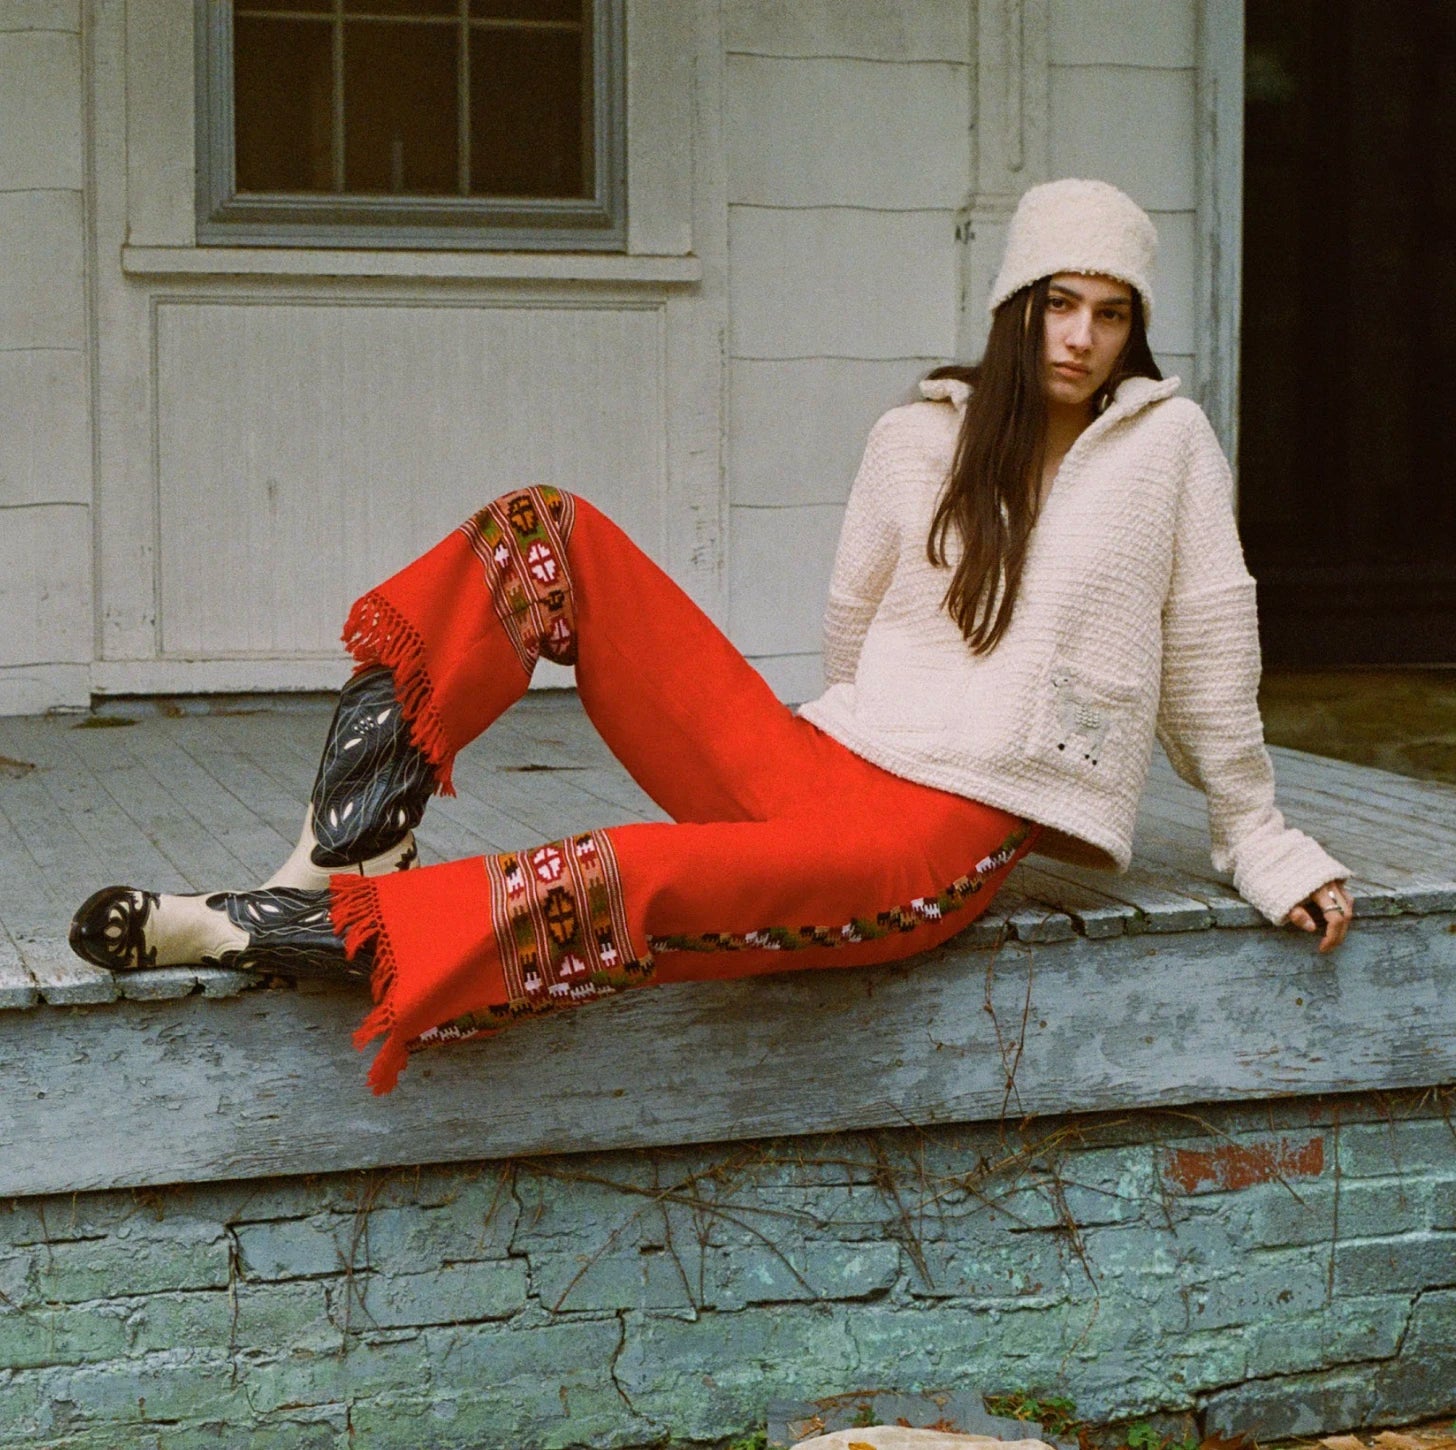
(283, 930)
(371, 790)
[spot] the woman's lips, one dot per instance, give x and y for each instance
(1071, 370)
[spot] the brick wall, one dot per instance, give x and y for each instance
(1286, 1269)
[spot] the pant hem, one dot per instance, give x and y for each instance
(357, 915)
(377, 633)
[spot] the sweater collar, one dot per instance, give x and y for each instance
(954, 391)
(1133, 394)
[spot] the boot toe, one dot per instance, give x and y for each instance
(107, 930)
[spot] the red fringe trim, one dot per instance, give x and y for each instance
(376, 633)
(355, 911)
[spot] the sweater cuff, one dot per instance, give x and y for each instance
(1275, 873)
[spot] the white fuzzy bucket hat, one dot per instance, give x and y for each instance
(1078, 226)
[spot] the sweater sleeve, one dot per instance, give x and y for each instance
(863, 562)
(1208, 713)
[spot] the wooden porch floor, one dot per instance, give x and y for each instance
(181, 801)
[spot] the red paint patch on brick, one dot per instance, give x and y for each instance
(1240, 1165)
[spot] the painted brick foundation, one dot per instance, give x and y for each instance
(1286, 1270)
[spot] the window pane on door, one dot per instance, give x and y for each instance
(401, 7)
(526, 9)
(529, 99)
(401, 133)
(321, 8)
(283, 96)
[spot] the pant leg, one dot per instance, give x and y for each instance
(880, 870)
(694, 723)
(541, 572)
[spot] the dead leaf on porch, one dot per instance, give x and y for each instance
(1343, 1442)
(1393, 1440)
(1242, 1442)
(13, 768)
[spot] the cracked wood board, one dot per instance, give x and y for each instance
(63, 978)
(17, 986)
(267, 1083)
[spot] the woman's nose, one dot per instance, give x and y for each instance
(1079, 332)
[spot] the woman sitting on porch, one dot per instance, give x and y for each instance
(1038, 570)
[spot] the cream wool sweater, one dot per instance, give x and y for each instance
(1135, 617)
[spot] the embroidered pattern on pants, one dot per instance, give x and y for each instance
(520, 540)
(560, 924)
(906, 917)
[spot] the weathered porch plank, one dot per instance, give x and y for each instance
(63, 978)
(112, 836)
(182, 829)
(1159, 824)
(1424, 896)
(1333, 800)
(1031, 920)
(268, 1083)
(220, 809)
(1425, 796)
(220, 746)
(34, 908)
(1095, 914)
(1154, 905)
(157, 984)
(50, 833)
(214, 770)
(17, 987)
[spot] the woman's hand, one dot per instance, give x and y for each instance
(1338, 909)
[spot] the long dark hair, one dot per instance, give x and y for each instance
(991, 495)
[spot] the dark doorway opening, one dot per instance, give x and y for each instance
(1347, 455)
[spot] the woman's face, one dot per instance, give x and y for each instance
(1088, 320)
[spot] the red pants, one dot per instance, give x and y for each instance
(787, 851)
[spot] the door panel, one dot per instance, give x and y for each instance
(305, 452)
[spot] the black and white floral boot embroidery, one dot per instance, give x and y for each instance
(371, 790)
(284, 930)
(290, 932)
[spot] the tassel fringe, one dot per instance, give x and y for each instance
(376, 633)
(355, 911)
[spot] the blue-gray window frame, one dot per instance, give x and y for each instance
(597, 223)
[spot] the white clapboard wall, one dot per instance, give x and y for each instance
(848, 153)
(45, 437)
(864, 229)
(218, 446)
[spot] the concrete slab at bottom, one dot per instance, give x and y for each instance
(896, 1437)
(962, 1414)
